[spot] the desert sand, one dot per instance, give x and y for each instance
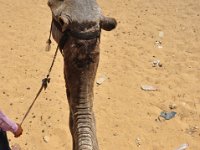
(127, 116)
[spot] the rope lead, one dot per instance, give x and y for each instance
(45, 81)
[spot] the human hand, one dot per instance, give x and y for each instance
(19, 131)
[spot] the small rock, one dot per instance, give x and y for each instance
(183, 147)
(156, 63)
(46, 139)
(148, 88)
(158, 44)
(101, 79)
(138, 142)
(172, 106)
(168, 115)
(115, 134)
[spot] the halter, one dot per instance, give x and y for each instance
(86, 35)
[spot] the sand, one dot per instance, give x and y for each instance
(127, 116)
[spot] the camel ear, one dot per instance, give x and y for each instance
(107, 23)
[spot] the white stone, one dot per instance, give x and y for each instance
(46, 139)
(101, 79)
(148, 88)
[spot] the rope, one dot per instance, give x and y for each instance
(63, 40)
(44, 85)
(49, 39)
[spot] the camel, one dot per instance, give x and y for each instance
(76, 27)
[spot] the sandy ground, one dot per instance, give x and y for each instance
(127, 117)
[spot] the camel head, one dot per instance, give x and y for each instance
(68, 13)
(76, 27)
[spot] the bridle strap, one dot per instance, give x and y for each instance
(88, 35)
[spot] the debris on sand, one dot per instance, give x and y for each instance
(158, 44)
(138, 142)
(101, 79)
(192, 129)
(148, 88)
(172, 106)
(161, 34)
(168, 115)
(156, 63)
(183, 147)
(15, 147)
(46, 139)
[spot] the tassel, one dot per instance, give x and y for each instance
(48, 46)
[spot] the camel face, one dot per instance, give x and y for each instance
(67, 12)
(76, 27)
(70, 11)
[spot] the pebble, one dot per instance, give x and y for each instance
(46, 139)
(138, 142)
(183, 147)
(101, 79)
(156, 63)
(168, 115)
(172, 106)
(158, 44)
(148, 88)
(115, 134)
